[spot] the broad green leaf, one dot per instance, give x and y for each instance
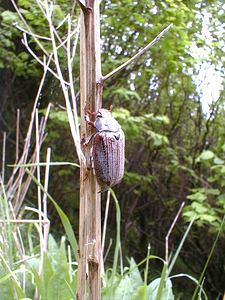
(166, 292)
(124, 290)
(57, 288)
(135, 276)
(205, 155)
(218, 161)
(141, 293)
(200, 197)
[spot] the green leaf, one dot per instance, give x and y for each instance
(58, 288)
(197, 196)
(198, 207)
(205, 155)
(221, 198)
(141, 293)
(159, 290)
(135, 276)
(218, 161)
(124, 289)
(215, 192)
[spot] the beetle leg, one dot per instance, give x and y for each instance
(89, 116)
(87, 140)
(92, 160)
(87, 119)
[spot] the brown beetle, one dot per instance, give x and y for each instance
(108, 149)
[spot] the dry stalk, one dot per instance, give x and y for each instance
(44, 201)
(170, 230)
(39, 191)
(138, 55)
(17, 134)
(3, 157)
(104, 229)
(14, 185)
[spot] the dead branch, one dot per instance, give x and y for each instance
(136, 56)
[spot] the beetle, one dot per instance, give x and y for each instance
(108, 148)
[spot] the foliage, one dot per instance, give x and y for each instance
(53, 274)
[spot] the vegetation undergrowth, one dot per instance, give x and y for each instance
(27, 273)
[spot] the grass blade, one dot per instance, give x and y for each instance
(64, 219)
(208, 259)
(180, 246)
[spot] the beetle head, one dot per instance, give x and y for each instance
(103, 113)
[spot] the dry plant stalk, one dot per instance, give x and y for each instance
(90, 198)
(170, 231)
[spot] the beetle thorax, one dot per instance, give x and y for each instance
(106, 122)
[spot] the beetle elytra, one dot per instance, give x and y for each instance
(108, 149)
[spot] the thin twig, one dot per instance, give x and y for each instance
(25, 43)
(105, 220)
(82, 4)
(41, 37)
(73, 95)
(38, 161)
(108, 249)
(42, 164)
(170, 230)
(77, 33)
(72, 122)
(12, 274)
(31, 221)
(104, 229)
(3, 156)
(136, 56)
(34, 210)
(44, 200)
(40, 4)
(39, 191)
(74, 32)
(16, 233)
(17, 133)
(29, 29)
(15, 184)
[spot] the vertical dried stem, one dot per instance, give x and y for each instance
(104, 228)
(38, 188)
(17, 184)
(90, 199)
(44, 201)
(17, 133)
(3, 157)
(170, 230)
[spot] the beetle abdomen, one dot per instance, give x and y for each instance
(108, 157)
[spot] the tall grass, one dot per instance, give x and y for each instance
(21, 256)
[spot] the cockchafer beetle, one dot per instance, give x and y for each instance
(108, 148)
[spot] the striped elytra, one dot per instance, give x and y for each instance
(108, 149)
(108, 157)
